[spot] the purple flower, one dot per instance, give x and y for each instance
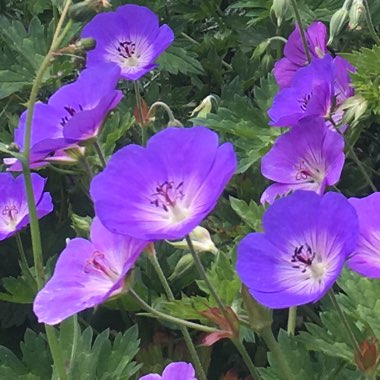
(131, 38)
(174, 371)
(308, 157)
(163, 191)
(87, 273)
(316, 91)
(297, 259)
(366, 258)
(295, 56)
(73, 114)
(14, 213)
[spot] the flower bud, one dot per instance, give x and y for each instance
(279, 9)
(354, 108)
(368, 358)
(201, 240)
(356, 15)
(184, 264)
(260, 317)
(337, 22)
(81, 225)
(86, 9)
(205, 107)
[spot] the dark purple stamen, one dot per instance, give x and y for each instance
(126, 49)
(303, 257)
(167, 194)
(71, 111)
(9, 211)
(302, 172)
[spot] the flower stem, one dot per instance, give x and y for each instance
(100, 154)
(172, 120)
(24, 261)
(302, 31)
(343, 319)
(240, 347)
(34, 225)
(140, 111)
(185, 333)
(292, 318)
(371, 28)
(353, 155)
(170, 318)
(269, 339)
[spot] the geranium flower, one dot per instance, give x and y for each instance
(366, 258)
(73, 114)
(294, 51)
(87, 273)
(130, 37)
(14, 213)
(316, 91)
(165, 190)
(297, 259)
(174, 371)
(308, 157)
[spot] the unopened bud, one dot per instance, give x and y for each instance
(81, 225)
(279, 9)
(368, 358)
(201, 240)
(205, 107)
(354, 108)
(260, 49)
(338, 21)
(260, 317)
(86, 44)
(185, 263)
(356, 15)
(86, 9)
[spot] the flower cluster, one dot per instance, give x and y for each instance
(308, 236)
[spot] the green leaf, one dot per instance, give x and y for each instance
(20, 290)
(178, 60)
(251, 213)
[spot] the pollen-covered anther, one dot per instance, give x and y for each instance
(99, 263)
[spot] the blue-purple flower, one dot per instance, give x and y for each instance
(174, 371)
(308, 157)
(87, 273)
(14, 213)
(73, 114)
(366, 258)
(294, 51)
(130, 37)
(315, 92)
(297, 259)
(163, 191)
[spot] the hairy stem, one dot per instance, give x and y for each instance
(169, 318)
(343, 319)
(100, 154)
(185, 333)
(140, 111)
(34, 225)
(371, 28)
(292, 318)
(239, 346)
(302, 30)
(275, 350)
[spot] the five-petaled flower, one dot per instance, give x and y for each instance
(366, 258)
(165, 190)
(308, 157)
(73, 114)
(297, 259)
(87, 273)
(174, 371)
(130, 37)
(14, 213)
